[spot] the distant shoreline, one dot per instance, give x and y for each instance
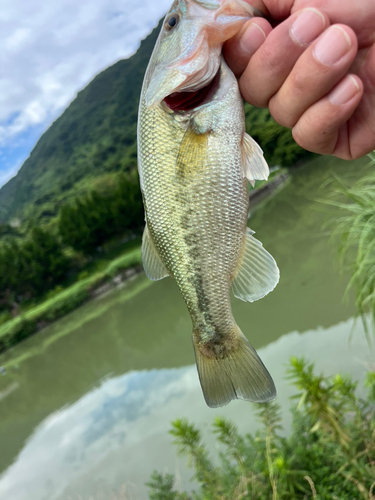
(119, 271)
(26, 324)
(263, 192)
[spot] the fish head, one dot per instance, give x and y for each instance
(186, 57)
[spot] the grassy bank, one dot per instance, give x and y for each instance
(34, 319)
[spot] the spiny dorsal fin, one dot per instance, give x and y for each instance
(253, 163)
(258, 273)
(152, 264)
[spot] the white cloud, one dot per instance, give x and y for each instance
(123, 411)
(51, 50)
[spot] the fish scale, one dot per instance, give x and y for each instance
(193, 166)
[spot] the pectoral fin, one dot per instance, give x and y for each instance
(258, 273)
(152, 264)
(192, 155)
(253, 163)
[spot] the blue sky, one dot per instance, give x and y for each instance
(50, 51)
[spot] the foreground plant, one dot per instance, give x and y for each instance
(329, 455)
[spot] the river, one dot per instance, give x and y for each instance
(86, 404)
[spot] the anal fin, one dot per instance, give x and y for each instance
(258, 273)
(253, 163)
(152, 264)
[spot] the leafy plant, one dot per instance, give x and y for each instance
(329, 454)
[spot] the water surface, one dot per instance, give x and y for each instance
(86, 404)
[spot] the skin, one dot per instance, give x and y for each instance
(329, 106)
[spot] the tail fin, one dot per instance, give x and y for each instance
(238, 375)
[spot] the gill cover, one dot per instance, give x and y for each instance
(187, 53)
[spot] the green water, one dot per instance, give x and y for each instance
(85, 405)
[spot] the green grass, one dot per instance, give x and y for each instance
(354, 228)
(86, 268)
(15, 330)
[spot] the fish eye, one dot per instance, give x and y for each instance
(172, 21)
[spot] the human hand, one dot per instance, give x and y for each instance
(315, 70)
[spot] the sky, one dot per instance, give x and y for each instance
(50, 51)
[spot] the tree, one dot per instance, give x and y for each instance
(97, 217)
(30, 268)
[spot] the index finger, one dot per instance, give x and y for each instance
(238, 50)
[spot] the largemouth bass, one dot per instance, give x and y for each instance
(195, 159)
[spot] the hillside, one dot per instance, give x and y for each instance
(95, 135)
(95, 138)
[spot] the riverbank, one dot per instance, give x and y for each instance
(119, 270)
(33, 320)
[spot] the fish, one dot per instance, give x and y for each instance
(195, 160)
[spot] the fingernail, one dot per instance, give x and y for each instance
(308, 25)
(252, 39)
(344, 91)
(332, 46)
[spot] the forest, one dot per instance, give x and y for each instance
(32, 265)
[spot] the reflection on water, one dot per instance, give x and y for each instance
(86, 404)
(117, 432)
(75, 439)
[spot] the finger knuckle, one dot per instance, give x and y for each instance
(299, 84)
(308, 137)
(252, 96)
(271, 60)
(280, 113)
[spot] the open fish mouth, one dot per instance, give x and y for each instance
(188, 101)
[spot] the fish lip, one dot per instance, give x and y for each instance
(178, 76)
(191, 101)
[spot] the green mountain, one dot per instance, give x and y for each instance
(95, 138)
